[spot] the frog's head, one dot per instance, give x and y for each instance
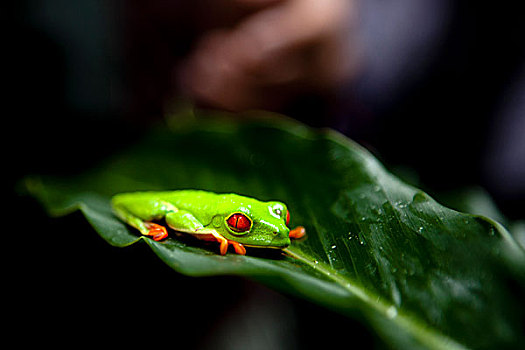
(257, 224)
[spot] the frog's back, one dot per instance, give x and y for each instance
(204, 200)
(178, 198)
(189, 199)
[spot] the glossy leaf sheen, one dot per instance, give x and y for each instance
(420, 274)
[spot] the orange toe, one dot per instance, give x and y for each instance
(224, 247)
(239, 248)
(157, 232)
(297, 232)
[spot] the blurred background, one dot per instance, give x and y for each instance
(433, 86)
(437, 86)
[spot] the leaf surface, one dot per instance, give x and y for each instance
(420, 274)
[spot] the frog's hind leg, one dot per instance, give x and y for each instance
(140, 214)
(146, 228)
(155, 231)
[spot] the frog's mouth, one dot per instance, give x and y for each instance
(277, 243)
(263, 246)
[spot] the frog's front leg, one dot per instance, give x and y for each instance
(224, 243)
(184, 221)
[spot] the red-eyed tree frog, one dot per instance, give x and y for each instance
(229, 219)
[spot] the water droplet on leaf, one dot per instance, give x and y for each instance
(391, 312)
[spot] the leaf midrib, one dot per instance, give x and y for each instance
(429, 336)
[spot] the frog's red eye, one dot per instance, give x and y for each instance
(287, 217)
(239, 222)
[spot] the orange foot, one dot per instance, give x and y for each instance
(297, 232)
(155, 231)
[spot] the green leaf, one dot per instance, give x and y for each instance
(420, 274)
